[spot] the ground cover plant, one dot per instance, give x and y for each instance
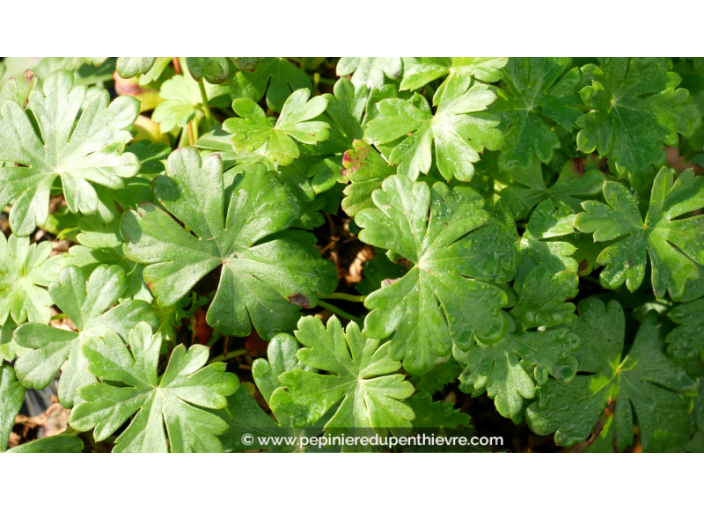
(201, 254)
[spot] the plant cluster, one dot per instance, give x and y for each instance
(195, 249)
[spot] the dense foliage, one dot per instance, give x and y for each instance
(199, 250)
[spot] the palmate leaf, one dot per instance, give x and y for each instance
(635, 111)
(646, 381)
(460, 129)
(452, 250)
(675, 246)
(87, 303)
(274, 76)
(370, 71)
(84, 150)
(11, 398)
(501, 368)
(267, 272)
(538, 245)
(527, 187)
(212, 69)
(366, 170)
(435, 415)
(102, 244)
(344, 115)
(537, 88)
(244, 415)
(164, 405)
(419, 71)
(253, 129)
(25, 270)
(182, 100)
(360, 376)
(687, 339)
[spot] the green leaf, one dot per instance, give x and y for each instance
(370, 71)
(674, 245)
(645, 381)
(171, 404)
(182, 100)
(460, 129)
(87, 302)
(502, 368)
(418, 71)
(84, 149)
(442, 298)
(344, 115)
(25, 270)
(360, 375)
(435, 415)
(267, 272)
(11, 398)
(635, 110)
(128, 67)
(152, 156)
(9, 349)
(275, 76)
(213, 69)
(537, 88)
(546, 223)
(253, 129)
(366, 170)
(18, 90)
(377, 272)
(527, 187)
(53, 444)
(102, 244)
(687, 339)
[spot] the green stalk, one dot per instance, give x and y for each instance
(339, 312)
(346, 297)
(230, 355)
(206, 105)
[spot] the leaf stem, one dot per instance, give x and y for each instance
(229, 355)
(346, 297)
(59, 316)
(191, 135)
(206, 105)
(339, 312)
(177, 65)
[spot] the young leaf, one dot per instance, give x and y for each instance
(418, 71)
(170, 404)
(675, 246)
(435, 415)
(344, 115)
(360, 375)
(370, 71)
(25, 270)
(11, 398)
(87, 303)
(213, 69)
(263, 281)
(84, 149)
(501, 368)
(102, 244)
(128, 67)
(366, 170)
(253, 129)
(459, 129)
(182, 99)
(687, 339)
(537, 88)
(645, 381)
(442, 298)
(634, 110)
(275, 76)
(573, 183)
